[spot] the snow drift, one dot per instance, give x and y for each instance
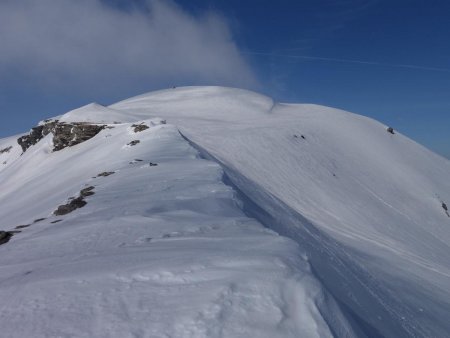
(230, 215)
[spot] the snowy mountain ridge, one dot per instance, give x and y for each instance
(210, 212)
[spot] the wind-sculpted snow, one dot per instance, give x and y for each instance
(162, 248)
(241, 217)
(363, 203)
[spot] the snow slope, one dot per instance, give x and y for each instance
(365, 205)
(9, 151)
(323, 225)
(158, 251)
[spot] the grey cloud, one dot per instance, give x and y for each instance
(89, 43)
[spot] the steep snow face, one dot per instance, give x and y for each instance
(161, 249)
(366, 205)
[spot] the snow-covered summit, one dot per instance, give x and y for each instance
(93, 112)
(341, 186)
(240, 216)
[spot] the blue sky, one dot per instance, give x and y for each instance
(385, 59)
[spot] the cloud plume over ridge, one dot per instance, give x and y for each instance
(88, 43)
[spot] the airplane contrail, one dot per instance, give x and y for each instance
(361, 62)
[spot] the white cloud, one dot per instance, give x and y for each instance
(89, 44)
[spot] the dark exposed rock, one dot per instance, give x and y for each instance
(391, 130)
(303, 137)
(74, 204)
(133, 143)
(36, 134)
(153, 164)
(70, 134)
(105, 173)
(5, 150)
(27, 225)
(135, 161)
(87, 191)
(64, 134)
(139, 127)
(444, 206)
(57, 221)
(23, 226)
(5, 236)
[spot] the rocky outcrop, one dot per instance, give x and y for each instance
(105, 174)
(5, 236)
(64, 134)
(36, 134)
(444, 206)
(75, 203)
(133, 143)
(139, 127)
(89, 191)
(5, 150)
(23, 226)
(70, 134)
(391, 130)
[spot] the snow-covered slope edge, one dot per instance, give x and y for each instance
(359, 294)
(162, 247)
(364, 210)
(367, 206)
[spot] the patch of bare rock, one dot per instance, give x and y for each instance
(64, 134)
(139, 127)
(133, 143)
(106, 174)
(75, 202)
(5, 150)
(5, 236)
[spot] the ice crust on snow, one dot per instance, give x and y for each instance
(241, 230)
